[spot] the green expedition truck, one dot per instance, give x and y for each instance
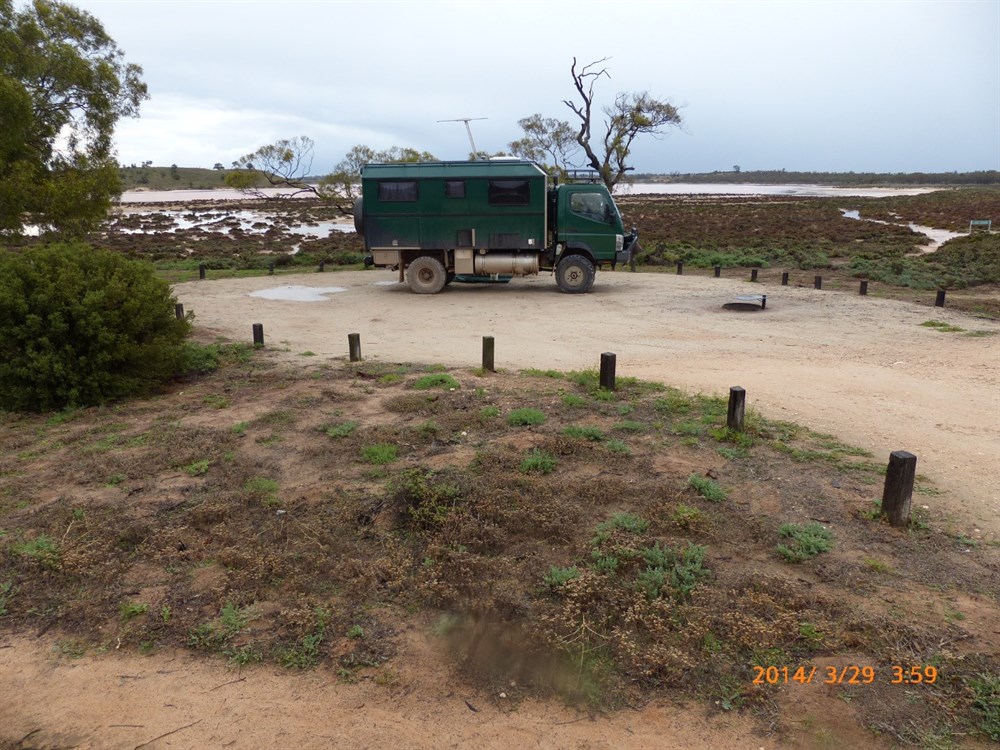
(487, 220)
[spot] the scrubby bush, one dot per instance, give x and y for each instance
(81, 326)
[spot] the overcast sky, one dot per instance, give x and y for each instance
(890, 86)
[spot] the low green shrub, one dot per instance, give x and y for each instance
(83, 326)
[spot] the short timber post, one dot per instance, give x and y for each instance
(939, 302)
(488, 349)
(608, 371)
(270, 268)
(354, 344)
(322, 266)
(737, 408)
(784, 278)
(817, 282)
(718, 271)
(258, 335)
(864, 289)
(201, 270)
(179, 311)
(680, 268)
(898, 492)
(753, 274)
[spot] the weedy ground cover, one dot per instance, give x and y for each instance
(325, 510)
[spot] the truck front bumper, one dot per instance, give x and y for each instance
(629, 248)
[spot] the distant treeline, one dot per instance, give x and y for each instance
(781, 177)
(148, 177)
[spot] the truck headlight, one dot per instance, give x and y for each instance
(619, 243)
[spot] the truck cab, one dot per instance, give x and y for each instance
(487, 220)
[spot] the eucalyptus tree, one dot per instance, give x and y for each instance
(64, 85)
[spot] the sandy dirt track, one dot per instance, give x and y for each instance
(861, 368)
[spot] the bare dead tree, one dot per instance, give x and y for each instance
(633, 114)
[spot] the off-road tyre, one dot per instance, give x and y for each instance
(426, 275)
(575, 274)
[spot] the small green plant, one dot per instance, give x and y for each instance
(804, 541)
(943, 327)
(557, 577)
(356, 631)
(525, 417)
(538, 462)
(617, 446)
(809, 633)
(6, 588)
(215, 401)
(379, 454)
(573, 401)
(389, 378)
(532, 372)
(986, 702)
(627, 425)
(489, 412)
(240, 428)
(685, 516)
(307, 353)
(707, 488)
(584, 433)
(41, 548)
(436, 380)
(165, 613)
(305, 654)
(619, 521)
(339, 430)
(875, 565)
(264, 489)
(198, 468)
(115, 480)
(131, 610)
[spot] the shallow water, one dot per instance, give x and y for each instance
(937, 236)
(289, 293)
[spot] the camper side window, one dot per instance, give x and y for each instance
(454, 188)
(397, 191)
(509, 193)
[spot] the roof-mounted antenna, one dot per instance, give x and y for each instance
(468, 130)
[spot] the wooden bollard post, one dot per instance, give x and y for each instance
(753, 274)
(784, 278)
(270, 268)
(718, 271)
(354, 345)
(737, 408)
(201, 270)
(608, 371)
(864, 289)
(939, 301)
(680, 268)
(322, 266)
(488, 349)
(179, 311)
(898, 492)
(258, 335)
(817, 282)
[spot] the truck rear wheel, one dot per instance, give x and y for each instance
(575, 274)
(426, 275)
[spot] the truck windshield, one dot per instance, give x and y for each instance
(593, 206)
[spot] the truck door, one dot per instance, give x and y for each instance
(588, 216)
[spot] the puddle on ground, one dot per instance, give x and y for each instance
(937, 236)
(289, 293)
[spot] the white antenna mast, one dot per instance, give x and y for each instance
(468, 130)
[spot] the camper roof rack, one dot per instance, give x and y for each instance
(582, 175)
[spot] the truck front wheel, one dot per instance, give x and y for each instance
(426, 275)
(575, 274)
